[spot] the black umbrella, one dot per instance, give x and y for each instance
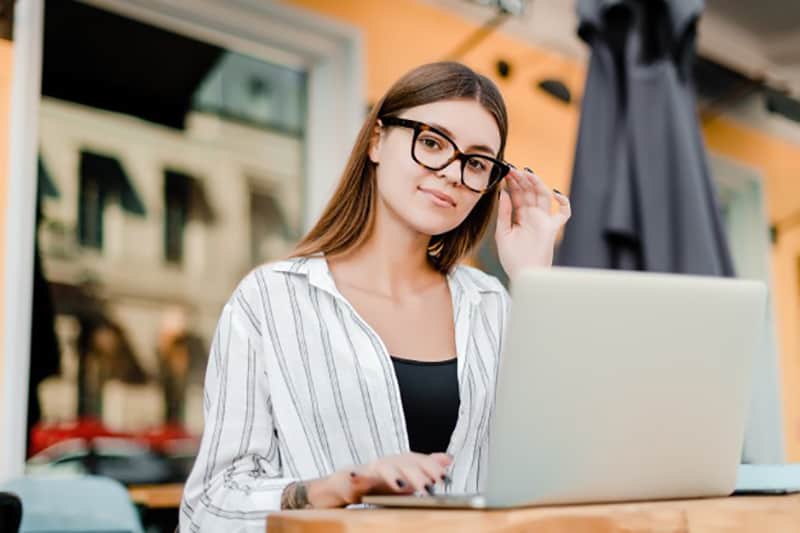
(642, 194)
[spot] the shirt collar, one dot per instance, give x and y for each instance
(473, 283)
(315, 268)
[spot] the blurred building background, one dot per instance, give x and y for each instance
(179, 146)
(151, 209)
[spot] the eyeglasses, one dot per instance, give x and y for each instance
(434, 150)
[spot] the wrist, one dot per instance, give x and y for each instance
(327, 492)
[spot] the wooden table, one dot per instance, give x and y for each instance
(157, 496)
(751, 514)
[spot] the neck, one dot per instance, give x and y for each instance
(392, 261)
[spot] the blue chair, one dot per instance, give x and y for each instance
(85, 503)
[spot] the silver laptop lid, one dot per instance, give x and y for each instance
(622, 386)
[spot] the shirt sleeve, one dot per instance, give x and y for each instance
(504, 312)
(237, 478)
(502, 307)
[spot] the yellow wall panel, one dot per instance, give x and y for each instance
(402, 34)
(5, 100)
(778, 161)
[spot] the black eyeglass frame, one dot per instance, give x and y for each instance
(419, 127)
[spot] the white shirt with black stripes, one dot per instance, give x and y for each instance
(298, 386)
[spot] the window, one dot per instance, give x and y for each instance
(176, 213)
(99, 176)
(76, 73)
(269, 234)
(255, 92)
(46, 187)
(92, 199)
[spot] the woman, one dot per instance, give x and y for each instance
(367, 361)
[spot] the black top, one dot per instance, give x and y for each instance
(429, 392)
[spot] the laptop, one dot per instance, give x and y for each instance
(617, 386)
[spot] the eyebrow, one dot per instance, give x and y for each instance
(479, 147)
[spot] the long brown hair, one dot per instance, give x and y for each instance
(349, 218)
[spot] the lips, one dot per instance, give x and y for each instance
(440, 195)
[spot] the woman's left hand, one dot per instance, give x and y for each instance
(526, 235)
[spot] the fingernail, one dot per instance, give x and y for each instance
(558, 192)
(529, 170)
(446, 479)
(429, 489)
(400, 483)
(353, 474)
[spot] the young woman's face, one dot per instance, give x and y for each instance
(432, 201)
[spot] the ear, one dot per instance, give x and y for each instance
(375, 142)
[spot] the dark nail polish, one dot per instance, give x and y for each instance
(400, 483)
(558, 192)
(529, 170)
(446, 479)
(429, 489)
(353, 474)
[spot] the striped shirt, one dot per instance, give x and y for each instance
(298, 386)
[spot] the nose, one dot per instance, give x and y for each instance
(452, 172)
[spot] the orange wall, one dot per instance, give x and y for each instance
(778, 161)
(5, 100)
(786, 274)
(402, 34)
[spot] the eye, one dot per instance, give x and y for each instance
(477, 164)
(430, 142)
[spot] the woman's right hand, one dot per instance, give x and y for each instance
(403, 473)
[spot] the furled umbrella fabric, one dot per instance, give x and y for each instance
(642, 194)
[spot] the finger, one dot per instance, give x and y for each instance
(371, 472)
(529, 196)
(503, 214)
(432, 468)
(362, 483)
(393, 477)
(544, 197)
(515, 190)
(364, 478)
(518, 200)
(564, 206)
(414, 474)
(443, 459)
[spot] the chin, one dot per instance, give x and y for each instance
(431, 223)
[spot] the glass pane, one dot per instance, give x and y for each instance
(173, 167)
(246, 89)
(90, 212)
(268, 228)
(176, 207)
